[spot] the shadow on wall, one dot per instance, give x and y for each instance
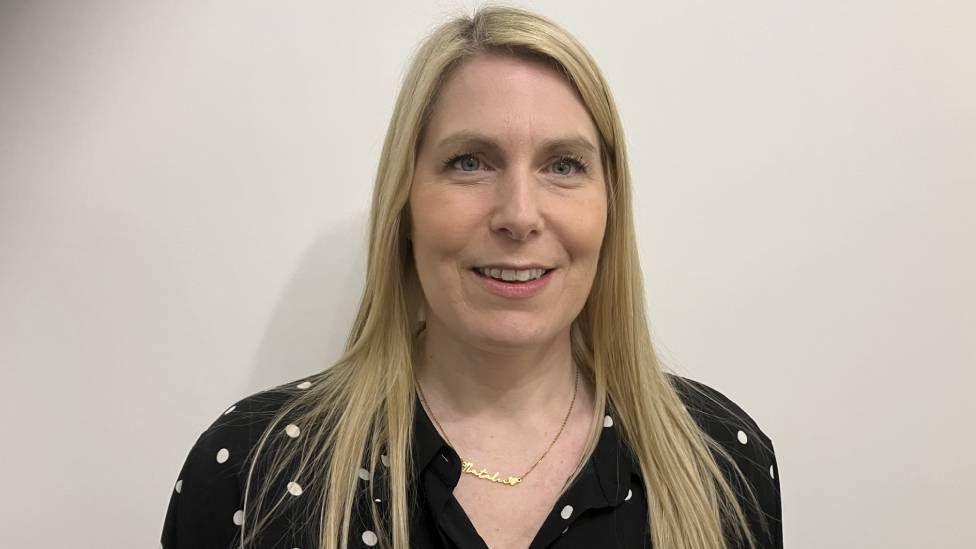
(315, 311)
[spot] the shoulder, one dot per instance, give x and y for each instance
(739, 434)
(717, 414)
(206, 502)
(239, 427)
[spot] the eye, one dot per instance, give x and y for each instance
(581, 165)
(466, 157)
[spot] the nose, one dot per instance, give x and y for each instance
(516, 208)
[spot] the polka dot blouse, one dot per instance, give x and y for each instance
(606, 506)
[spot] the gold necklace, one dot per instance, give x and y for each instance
(468, 467)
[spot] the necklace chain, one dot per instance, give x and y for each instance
(468, 467)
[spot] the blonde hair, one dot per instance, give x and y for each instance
(364, 403)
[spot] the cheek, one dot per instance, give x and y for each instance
(588, 229)
(441, 223)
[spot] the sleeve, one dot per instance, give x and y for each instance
(753, 452)
(205, 506)
(762, 473)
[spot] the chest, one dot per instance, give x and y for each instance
(508, 517)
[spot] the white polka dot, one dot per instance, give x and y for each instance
(222, 455)
(369, 538)
(608, 421)
(363, 474)
(630, 493)
(292, 430)
(385, 460)
(239, 517)
(771, 474)
(304, 385)
(566, 529)
(179, 483)
(743, 438)
(378, 500)
(294, 488)
(566, 512)
(231, 409)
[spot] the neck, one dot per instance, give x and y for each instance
(504, 383)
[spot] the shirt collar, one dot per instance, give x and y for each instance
(427, 442)
(612, 460)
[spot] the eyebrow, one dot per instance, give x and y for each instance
(468, 137)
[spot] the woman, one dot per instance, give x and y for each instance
(526, 407)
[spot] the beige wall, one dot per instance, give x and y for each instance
(183, 191)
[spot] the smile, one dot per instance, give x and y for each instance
(512, 275)
(514, 289)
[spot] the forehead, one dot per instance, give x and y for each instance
(517, 101)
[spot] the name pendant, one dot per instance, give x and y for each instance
(468, 467)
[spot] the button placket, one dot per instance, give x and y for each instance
(583, 495)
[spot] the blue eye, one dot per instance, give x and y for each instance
(464, 156)
(581, 165)
(577, 161)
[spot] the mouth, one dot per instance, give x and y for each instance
(545, 272)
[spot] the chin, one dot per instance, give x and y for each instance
(516, 333)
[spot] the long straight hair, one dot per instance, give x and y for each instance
(362, 406)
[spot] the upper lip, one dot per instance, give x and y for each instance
(513, 266)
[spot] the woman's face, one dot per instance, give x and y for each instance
(517, 198)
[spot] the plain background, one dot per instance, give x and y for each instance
(184, 189)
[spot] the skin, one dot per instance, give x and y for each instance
(498, 372)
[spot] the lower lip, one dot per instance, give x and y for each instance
(513, 290)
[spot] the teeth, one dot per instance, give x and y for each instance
(510, 275)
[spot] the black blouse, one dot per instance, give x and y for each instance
(605, 506)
